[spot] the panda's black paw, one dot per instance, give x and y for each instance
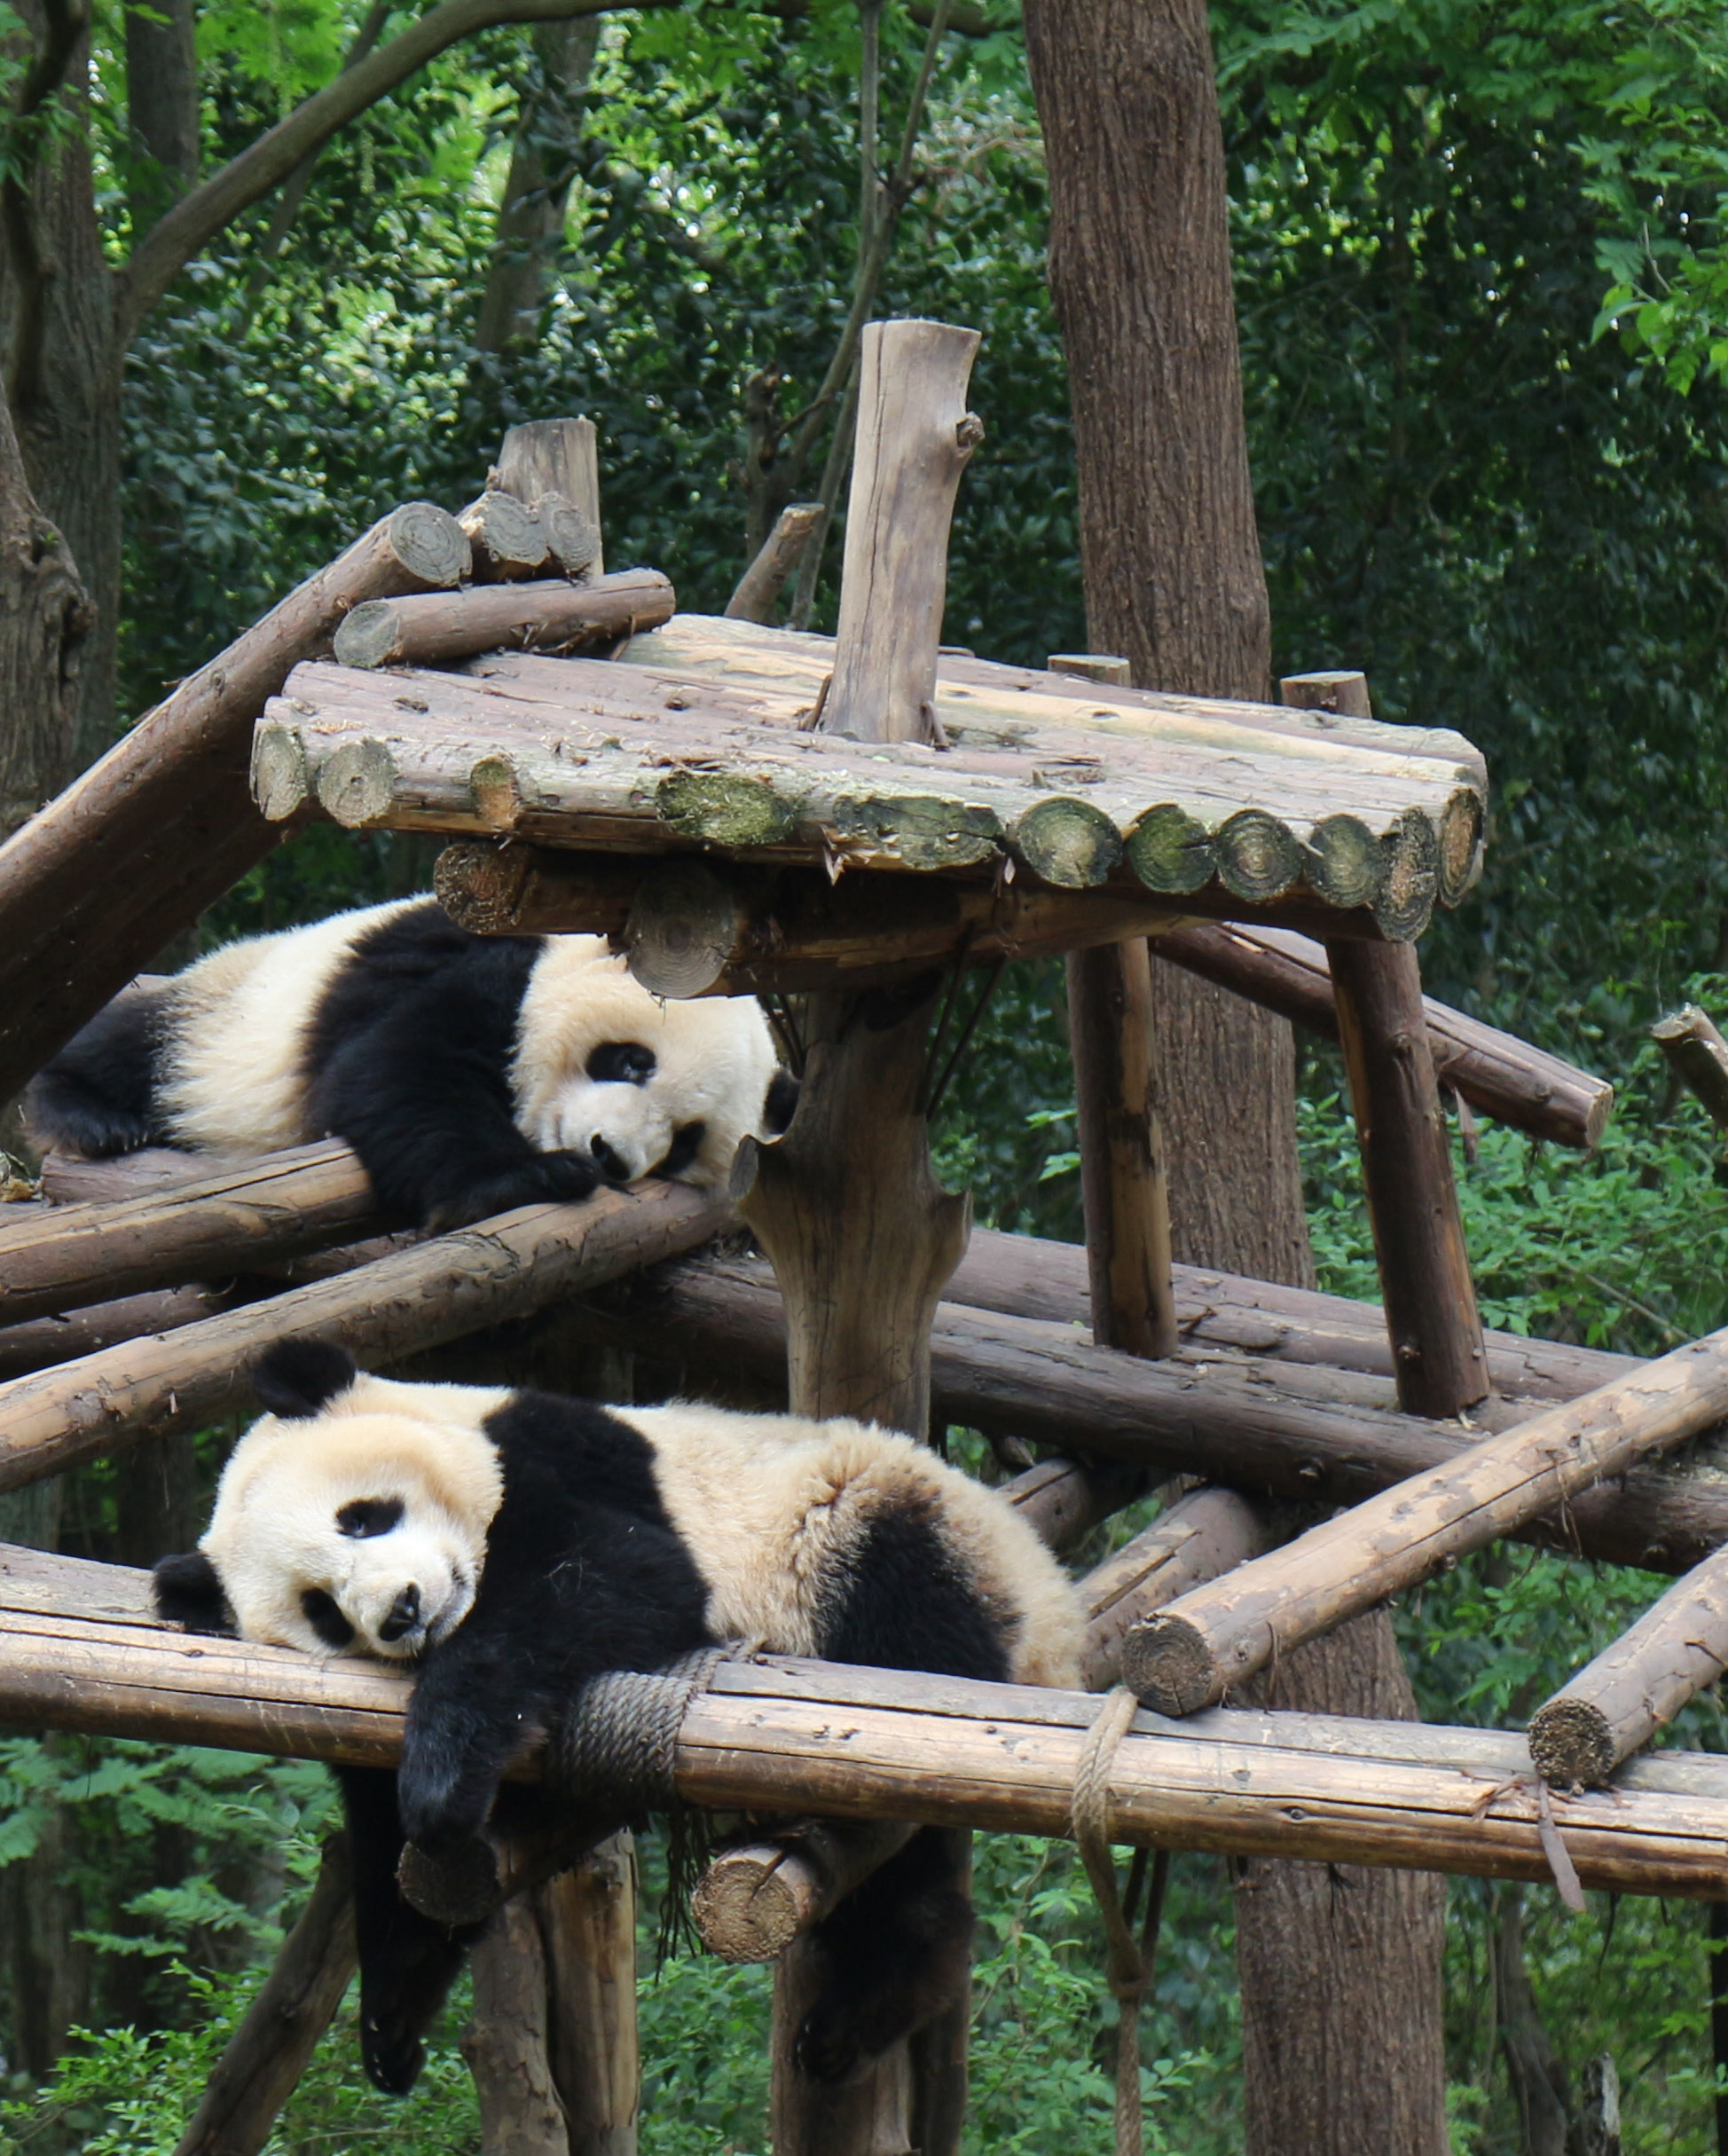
(392, 2053)
(548, 1178)
(828, 2050)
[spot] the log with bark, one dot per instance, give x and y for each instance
(869, 1743)
(513, 539)
(166, 813)
(779, 553)
(207, 1229)
(435, 1291)
(1192, 1652)
(1497, 1073)
(549, 615)
(43, 1341)
(1203, 1534)
(712, 738)
(587, 1918)
(556, 457)
(506, 2042)
(1616, 1705)
(1698, 1056)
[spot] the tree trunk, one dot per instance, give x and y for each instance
(530, 219)
(1140, 272)
(162, 104)
(45, 619)
(58, 330)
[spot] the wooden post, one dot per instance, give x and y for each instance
(506, 2041)
(263, 2061)
(861, 1234)
(1431, 1314)
(760, 584)
(587, 1918)
(1611, 1709)
(1204, 1642)
(554, 456)
(1698, 1056)
(756, 1897)
(915, 439)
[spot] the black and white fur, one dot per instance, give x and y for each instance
(471, 1074)
(516, 1543)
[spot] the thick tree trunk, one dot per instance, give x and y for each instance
(1140, 270)
(531, 220)
(45, 619)
(57, 326)
(162, 102)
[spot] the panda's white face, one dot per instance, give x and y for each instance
(361, 1533)
(641, 1087)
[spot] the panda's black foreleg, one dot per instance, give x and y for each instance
(407, 1963)
(890, 1958)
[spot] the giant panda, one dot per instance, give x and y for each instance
(513, 1544)
(470, 1074)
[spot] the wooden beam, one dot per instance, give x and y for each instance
(1315, 1434)
(1698, 1056)
(587, 1918)
(759, 587)
(1202, 1535)
(756, 1897)
(220, 1223)
(560, 457)
(43, 1341)
(1497, 1073)
(1435, 1329)
(432, 628)
(1616, 1705)
(866, 1743)
(916, 437)
(1192, 1652)
(506, 2041)
(263, 2061)
(435, 1291)
(166, 813)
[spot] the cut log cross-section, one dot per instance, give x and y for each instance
(1431, 1313)
(1192, 1652)
(557, 458)
(1605, 1713)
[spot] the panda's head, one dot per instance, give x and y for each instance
(352, 1518)
(643, 1087)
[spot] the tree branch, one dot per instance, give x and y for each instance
(197, 219)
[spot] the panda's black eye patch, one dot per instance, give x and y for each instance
(687, 1143)
(621, 1063)
(369, 1516)
(320, 1612)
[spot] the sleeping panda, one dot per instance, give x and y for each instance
(470, 1074)
(514, 1543)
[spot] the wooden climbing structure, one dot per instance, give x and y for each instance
(861, 831)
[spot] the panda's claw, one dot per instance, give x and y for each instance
(827, 2052)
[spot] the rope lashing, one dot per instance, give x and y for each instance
(1129, 1966)
(618, 1744)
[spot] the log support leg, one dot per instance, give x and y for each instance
(506, 2042)
(863, 1239)
(587, 1918)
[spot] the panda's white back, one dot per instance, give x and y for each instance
(234, 1074)
(774, 1507)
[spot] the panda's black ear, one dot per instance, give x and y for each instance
(189, 1593)
(782, 1105)
(297, 1377)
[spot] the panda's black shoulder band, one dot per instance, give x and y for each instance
(296, 1378)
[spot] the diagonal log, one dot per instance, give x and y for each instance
(1190, 1654)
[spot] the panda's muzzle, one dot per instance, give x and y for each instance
(404, 1614)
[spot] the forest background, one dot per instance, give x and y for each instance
(1484, 321)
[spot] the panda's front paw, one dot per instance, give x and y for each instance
(391, 2053)
(439, 1805)
(548, 1178)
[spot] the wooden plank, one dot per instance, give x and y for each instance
(1616, 1705)
(1190, 1655)
(417, 1298)
(1495, 1072)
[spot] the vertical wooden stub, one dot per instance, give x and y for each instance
(1122, 1169)
(914, 438)
(1432, 1319)
(555, 456)
(588, 1927)
(506, 2041)
(863, 1239)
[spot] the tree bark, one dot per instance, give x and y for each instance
(530, 219)
(162, 104)
(45, 618)
(1140, 272)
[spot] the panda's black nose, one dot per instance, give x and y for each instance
(404, 1614)
(608, 1161)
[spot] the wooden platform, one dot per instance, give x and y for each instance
(700, 737)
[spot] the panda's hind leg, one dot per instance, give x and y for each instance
(893, 1955)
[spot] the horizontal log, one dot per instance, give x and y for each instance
(1207, 1533)
(1317, 1435)
(1698, 1056)
(1064, 1499)
(41, 1342)
(1151, 794)
(550, 615)
(167, 812)
(863, 1744)
(419, 1297)
(204, 1230)
(1190, 1654)
(1497, 1073)
(755, 1899)
(1616, 1705)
